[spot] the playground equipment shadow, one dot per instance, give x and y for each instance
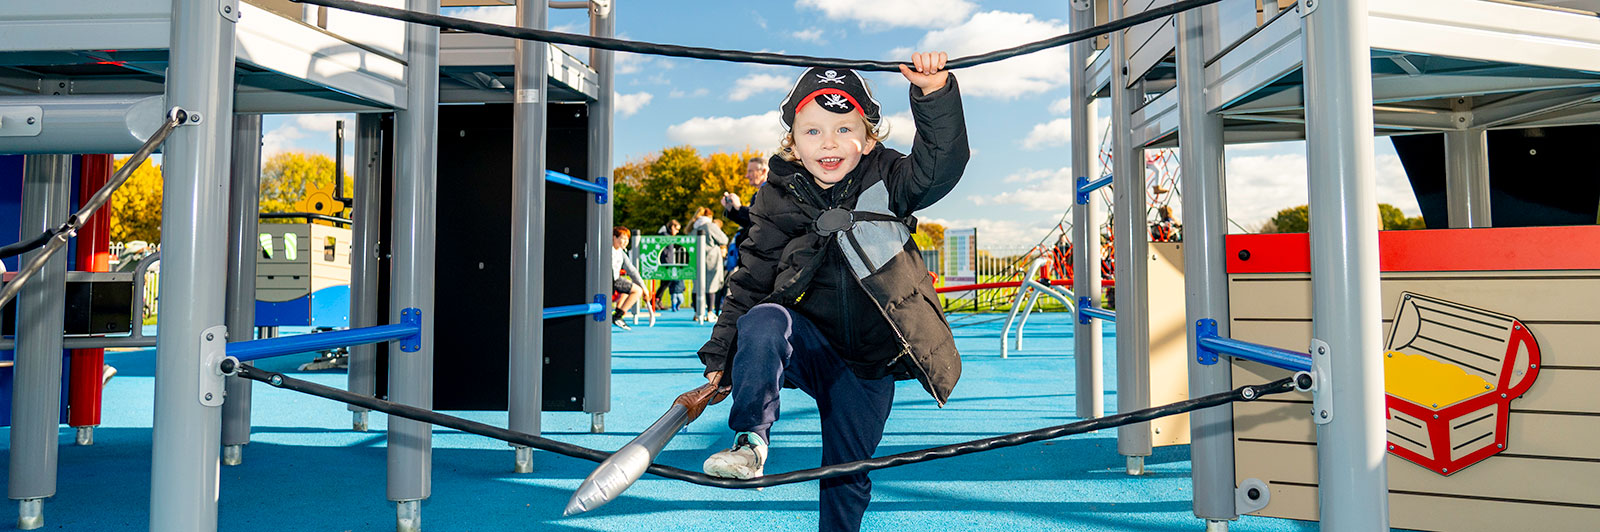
(307, 470)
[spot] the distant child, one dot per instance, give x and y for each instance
(630, 288)
(831, 295)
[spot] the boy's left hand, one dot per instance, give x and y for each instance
(927, 71)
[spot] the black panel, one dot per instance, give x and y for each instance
(385, 255)
(471, 323)
(1537, 176)
(92, 307)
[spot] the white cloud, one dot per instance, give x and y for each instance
(761, 131)
(894, 13)
(677, 93)
(1046, 190)
(994, 30)
(1261, 185)
(808, 34)
(279, 140)
(1056, 132)
(502, 15)
(628, 63)
(628, 104)
(324, 122)
(1061, 107)
(995, 235)
(754, 84)
(902, 130)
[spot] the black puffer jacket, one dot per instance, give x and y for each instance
(886, 323)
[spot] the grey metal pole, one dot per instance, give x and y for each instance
(36, 391)
(1346, 320)
(1087, 353)
(700, 274)
(597, 334)
(1205, 274)
(411, 282)
(527, 232)
(365, 214)
(1466, 173)
(187, 431)
(243, 206)
(1132, 249)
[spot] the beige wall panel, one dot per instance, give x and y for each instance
(1558, 390)
(1505, 477)
(1531, 434)
(1527, 296)
(1560, 344)
(1445, 514)
(1169, 351)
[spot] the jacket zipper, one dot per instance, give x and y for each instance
(905, 347)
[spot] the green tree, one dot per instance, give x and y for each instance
(289, 177)
(136, 207)
(1298, 220)
(675, 183)
(1292, 220)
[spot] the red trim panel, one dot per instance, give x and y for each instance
(1436, 250)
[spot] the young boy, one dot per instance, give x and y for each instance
(631, 287)
(831, 295)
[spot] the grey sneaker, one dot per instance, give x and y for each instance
(744, 460)
(624, 325)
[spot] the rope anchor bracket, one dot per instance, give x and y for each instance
(1321, 386)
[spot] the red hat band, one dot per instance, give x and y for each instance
(856, 106)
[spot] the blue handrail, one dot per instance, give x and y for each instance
(597, 308)
(599, 187)
(1210, 344)
(1088, 311)
(408, 332)
(1085, 187)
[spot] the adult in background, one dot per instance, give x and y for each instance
(755, 170)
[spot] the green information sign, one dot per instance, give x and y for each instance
(665, 258)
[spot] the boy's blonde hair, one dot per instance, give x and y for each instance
(876, 133)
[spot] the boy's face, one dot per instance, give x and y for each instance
(619, 241)
(829, 144)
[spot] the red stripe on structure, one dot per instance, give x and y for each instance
(1437, 250)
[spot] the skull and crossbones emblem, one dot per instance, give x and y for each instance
(834, 100)
(830, 76)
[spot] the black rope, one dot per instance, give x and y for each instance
(1243, 393)
(25, 246)
(738, 56)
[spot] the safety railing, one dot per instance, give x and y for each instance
(597, 308)
(598, 187)
(1210, 345)
(408, 332)
(1087, 310)
(1085, 186)
(1030, 290)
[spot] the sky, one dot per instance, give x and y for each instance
(1017, 185)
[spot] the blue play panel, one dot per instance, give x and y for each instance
(306, 470)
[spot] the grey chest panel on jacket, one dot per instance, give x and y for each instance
(869, 245)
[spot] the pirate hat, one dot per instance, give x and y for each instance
(835, 89)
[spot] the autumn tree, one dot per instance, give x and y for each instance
(288, 177)
(929, 235)
(675, 183)
(136, 207)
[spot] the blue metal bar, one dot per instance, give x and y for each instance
(597, 308)
(1088, 311)
(1085, 187)
(408, 331)
(1210, 345)
(599, 187)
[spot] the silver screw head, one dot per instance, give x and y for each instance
(1324, 414)
(210, 337)
(208, 397)
(275, 380)
(31, 120)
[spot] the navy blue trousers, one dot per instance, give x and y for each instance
(777, 345)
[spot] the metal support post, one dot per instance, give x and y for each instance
(188, 423)
(243, 204)
(86, 370)
(1132, 244)
(1466, 172)
(1205, 275)
(1087, 356)
(366, 213)
(1346, 321)
(597, 334)
(41, 305)
(700, 275)
(527, 232)
(411, 372)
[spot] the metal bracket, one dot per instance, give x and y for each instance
(21, 121)
(213, 349)
(1205, 328)
(600, 197)
(229, 10)
(1322, 389)
(1306, 7)
(1251, 496)
(1081, 5)
(413, 343)
(1082, 196)
(600, 8)
(600, 299)
(1083, 301)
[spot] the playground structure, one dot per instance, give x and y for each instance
(1236, 74)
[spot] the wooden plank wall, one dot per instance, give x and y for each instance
(1547, 478)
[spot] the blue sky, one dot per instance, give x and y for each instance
(1017, 185)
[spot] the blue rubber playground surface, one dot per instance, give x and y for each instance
(307, 470)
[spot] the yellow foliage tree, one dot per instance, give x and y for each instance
(676, 182)
(288, 177)
(136, 207)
